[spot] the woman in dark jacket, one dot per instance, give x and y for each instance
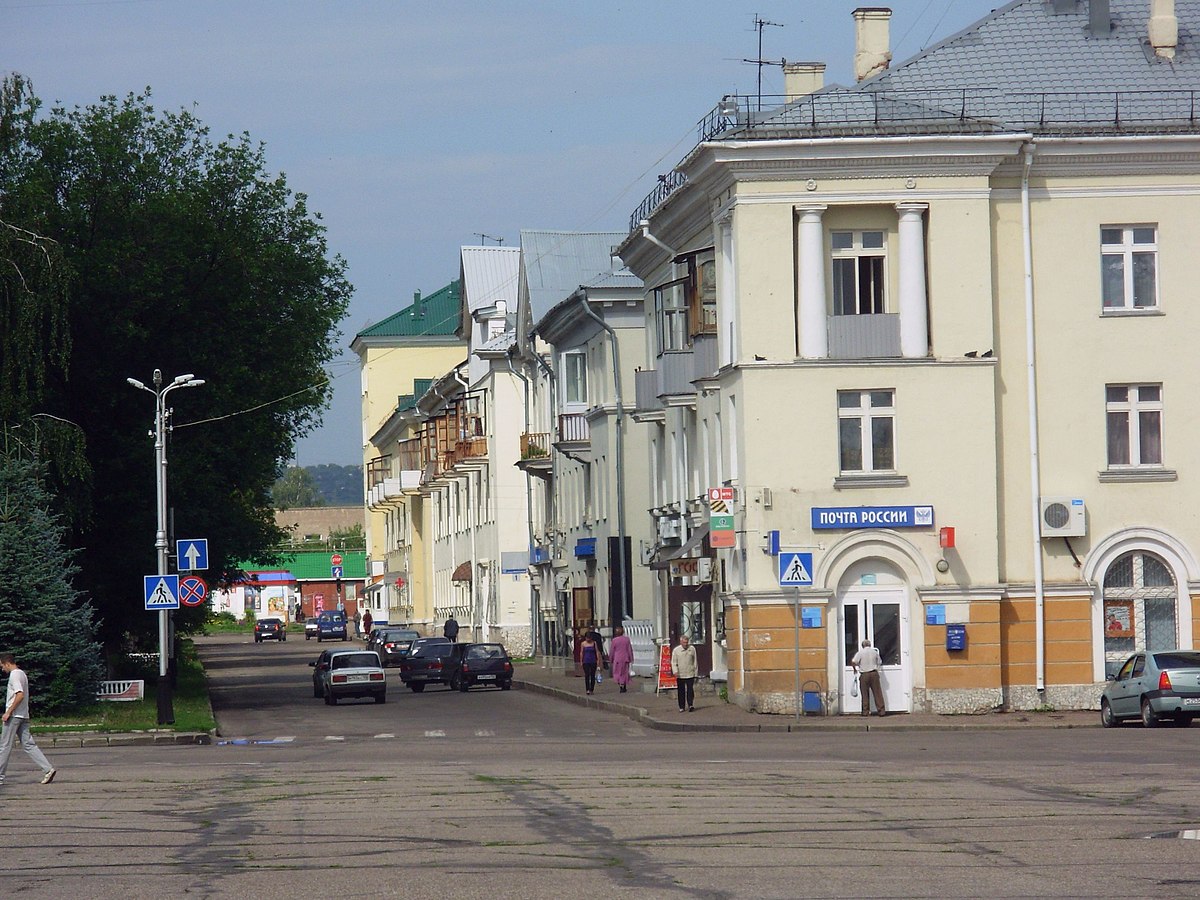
(589, 657)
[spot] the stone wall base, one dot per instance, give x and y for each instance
(1056, 696)
(959, 701)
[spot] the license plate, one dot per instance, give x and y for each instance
(358, 677)
(1191, 701)
(487, 677)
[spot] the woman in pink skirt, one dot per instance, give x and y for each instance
(620, 656)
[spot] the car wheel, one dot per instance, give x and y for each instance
(308, 637)
(319, 639)
(417, 686)
(316, 690)
(329, 701)
(381, 698)
(506, 685)
(1107, 719)
(1149, 717)
(462, 685)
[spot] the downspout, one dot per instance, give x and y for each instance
(534, 631)
(623, 553)
(645, 224)
(478, 626)
(1035, 486)
(553, 493)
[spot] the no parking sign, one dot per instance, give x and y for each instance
(193, 590)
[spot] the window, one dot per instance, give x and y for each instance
(1140, 608)
(858, 273)
(575, 378)
(865, 431)
(671, 315)
(1129, 267)
(1134, 414)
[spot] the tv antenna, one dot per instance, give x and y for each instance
(487, 237)
(759, 24)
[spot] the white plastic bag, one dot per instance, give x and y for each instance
(599, 677)
(854, 687)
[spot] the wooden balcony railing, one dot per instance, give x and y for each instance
(535, 445)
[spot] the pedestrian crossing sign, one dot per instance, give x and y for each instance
(795, 569)
(161, 591)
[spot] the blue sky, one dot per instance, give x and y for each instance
(414, 126)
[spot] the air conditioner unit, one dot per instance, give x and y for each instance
(647, 552)
(562, 581)
(1063, 517)
(669, 530)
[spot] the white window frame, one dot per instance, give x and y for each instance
(1127, 251)
(858, 251)
(865, 413)
(671, 316)
(1132, 409)
(575, 381)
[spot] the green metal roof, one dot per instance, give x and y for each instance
(315, 565)
(435, 315)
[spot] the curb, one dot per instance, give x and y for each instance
(142, 739)
(645, 718)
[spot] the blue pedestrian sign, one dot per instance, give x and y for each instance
(191, 555)
(795, 569)
(336, 571)
(161, 591)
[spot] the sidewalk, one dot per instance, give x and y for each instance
(714, 714)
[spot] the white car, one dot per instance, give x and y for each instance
(348, 673)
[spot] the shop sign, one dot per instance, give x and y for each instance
(848, 518)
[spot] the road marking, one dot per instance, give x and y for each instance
(384, 735)
(435, 733)
(484, 732)
(334, 737)
(533, 732)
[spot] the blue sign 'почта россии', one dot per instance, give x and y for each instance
(850, 517)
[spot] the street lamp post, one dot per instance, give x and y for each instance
(166, 712)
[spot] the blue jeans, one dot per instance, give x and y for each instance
(16, 730)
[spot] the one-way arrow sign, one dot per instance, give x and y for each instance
(192, 555)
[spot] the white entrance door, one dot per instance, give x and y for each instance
(880, 617)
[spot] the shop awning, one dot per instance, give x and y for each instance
(697, 538)
(462, 572)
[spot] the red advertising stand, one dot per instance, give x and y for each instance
(666, 681)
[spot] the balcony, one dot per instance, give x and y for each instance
(535, 454)
(864, 337)
(705, 361)
(645, 389)
(676, 371)
(574, 436)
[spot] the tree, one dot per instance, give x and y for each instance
(186, 255)
(297, 487)
(43, 619)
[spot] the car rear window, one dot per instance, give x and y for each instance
(434, 650)
(355, 660)
(485, 651)
(1177, 660)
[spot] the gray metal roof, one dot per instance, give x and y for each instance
(490, 274)
(558, 263)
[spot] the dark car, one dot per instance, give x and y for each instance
(348, 673)
(428, 663)
(269, 630)
(392, 644)
(331, 625)
(476, 664)
(1153, 686)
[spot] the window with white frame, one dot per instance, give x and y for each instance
(1129, 267)
(574, 365)
(866, 434)
(671, 315)
(1134, 417)
(858, 272)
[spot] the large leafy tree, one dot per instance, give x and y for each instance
(174, 252)
(297, 488)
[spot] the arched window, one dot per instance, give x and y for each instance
(1140, 607)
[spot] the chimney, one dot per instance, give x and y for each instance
(1164, 28)
(418, 307)
(802, 78)
(871, 54)
(1099, 19)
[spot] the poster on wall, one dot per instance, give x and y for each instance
(1118, 618)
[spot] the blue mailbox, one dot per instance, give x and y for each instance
(956, 637)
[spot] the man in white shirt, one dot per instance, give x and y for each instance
(16, 721)
(866, 665)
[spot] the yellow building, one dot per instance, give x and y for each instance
(934, 330)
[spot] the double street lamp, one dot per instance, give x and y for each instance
(166, 713)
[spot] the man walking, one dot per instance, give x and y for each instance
(867, 662)
(16, 721)
(684, 667)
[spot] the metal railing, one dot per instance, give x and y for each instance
(378, 469)
(667, 184)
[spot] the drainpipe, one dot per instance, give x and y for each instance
(626, 606)
(1035, 486)
(645, 224)
(534, 631)
(553, 493)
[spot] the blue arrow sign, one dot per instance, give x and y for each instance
(336, 571)
(161, 591)
(192, 555)
(795, 569)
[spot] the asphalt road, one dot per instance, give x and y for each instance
(495, 794)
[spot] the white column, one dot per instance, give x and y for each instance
(814, 335)
(727, 300)
(914, 314)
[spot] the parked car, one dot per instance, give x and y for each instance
(338, 674)
(392, 644)
(427, 664)
(331, 625)
(269, 630)
(1155, 685)
(310, 628)
(480, 664)
(423, 641)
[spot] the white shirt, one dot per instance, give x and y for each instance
(867, 660)
(18, 681)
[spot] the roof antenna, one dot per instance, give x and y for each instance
(487, 237)
(761, 23)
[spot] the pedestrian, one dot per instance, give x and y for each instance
(621, 657)
(589, 657)
(866, 665)
(358, 623)
(596, 636)
(366, 622)
(684, 667)
(450, 630)
(16, 721)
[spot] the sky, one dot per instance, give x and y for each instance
(416, 127)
